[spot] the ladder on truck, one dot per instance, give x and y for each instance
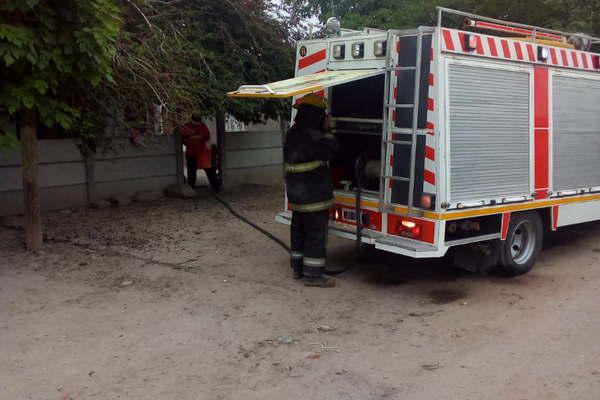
(387, 142)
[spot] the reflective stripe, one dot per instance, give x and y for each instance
(304, 167)
(296, 254)
(314, 262)
(312, 207)
(329, 136)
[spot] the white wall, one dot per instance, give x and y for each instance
(254, 155)
(62, 173)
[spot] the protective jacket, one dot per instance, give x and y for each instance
(307, 152)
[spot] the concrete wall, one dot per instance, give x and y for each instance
(254, 155)
(131, 169)
(61, 177)
(63, 182)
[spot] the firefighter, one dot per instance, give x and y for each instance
(198, 154)
(307, 150)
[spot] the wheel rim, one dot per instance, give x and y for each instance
(522, 244)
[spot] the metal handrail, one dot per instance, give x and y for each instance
(256, 87)
(442, 10)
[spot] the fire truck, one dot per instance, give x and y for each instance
(476, 135)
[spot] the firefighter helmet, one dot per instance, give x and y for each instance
(313, 100)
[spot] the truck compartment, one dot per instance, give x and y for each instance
(358, 124)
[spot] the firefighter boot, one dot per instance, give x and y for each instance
(313, 276)
(296, 264)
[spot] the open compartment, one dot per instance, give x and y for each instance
(357, 122)
(356, 98)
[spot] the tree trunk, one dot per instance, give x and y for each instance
(31, 192)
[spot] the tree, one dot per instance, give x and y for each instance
(184, 55)
(51, 51)
(78, 64)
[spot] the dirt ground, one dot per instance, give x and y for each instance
(178, 300)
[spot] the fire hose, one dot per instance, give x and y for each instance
(360, 170)
(265, 232)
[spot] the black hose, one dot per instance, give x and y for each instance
(265, 232)
(252, 224)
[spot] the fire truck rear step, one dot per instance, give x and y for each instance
(338, 229)
(408, 247)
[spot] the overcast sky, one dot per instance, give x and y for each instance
(311, 24)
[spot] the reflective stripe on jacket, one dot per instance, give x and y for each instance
(304, 167)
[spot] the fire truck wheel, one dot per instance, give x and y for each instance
(519, 252)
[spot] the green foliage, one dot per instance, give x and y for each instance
(52, 52)
(83, 65)
(569, 15)
(187, 55)
(8, 134)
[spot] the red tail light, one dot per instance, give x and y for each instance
(414, 228)
(408, 228)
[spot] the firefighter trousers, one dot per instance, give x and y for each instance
(309, 240)
(192, 172)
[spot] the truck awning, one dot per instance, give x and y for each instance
(304, 84)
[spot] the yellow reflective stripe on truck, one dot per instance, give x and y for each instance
(491, 210)
(304, 167)
(476, 212)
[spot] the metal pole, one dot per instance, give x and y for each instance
(508, 23)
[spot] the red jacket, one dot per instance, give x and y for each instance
(195, 137)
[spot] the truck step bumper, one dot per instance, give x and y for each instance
(392, 244)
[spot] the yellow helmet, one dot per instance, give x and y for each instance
(313, 100)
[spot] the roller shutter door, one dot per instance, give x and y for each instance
(576, 136)
(489, 133)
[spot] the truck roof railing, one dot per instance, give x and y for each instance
(510, 27)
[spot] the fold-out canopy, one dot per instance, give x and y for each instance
(304, 84)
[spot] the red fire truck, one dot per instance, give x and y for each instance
(476, 135)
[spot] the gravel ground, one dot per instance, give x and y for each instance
(178, 300)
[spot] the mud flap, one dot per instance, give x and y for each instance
(478, 257)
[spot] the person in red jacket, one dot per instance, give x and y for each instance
(198, 153)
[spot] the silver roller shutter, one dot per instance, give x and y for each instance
(489, 133)
(576, 136)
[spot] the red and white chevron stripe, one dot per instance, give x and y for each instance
(314, 61)
(429, 177)
(453, 41)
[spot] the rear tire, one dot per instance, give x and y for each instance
(519, 252)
